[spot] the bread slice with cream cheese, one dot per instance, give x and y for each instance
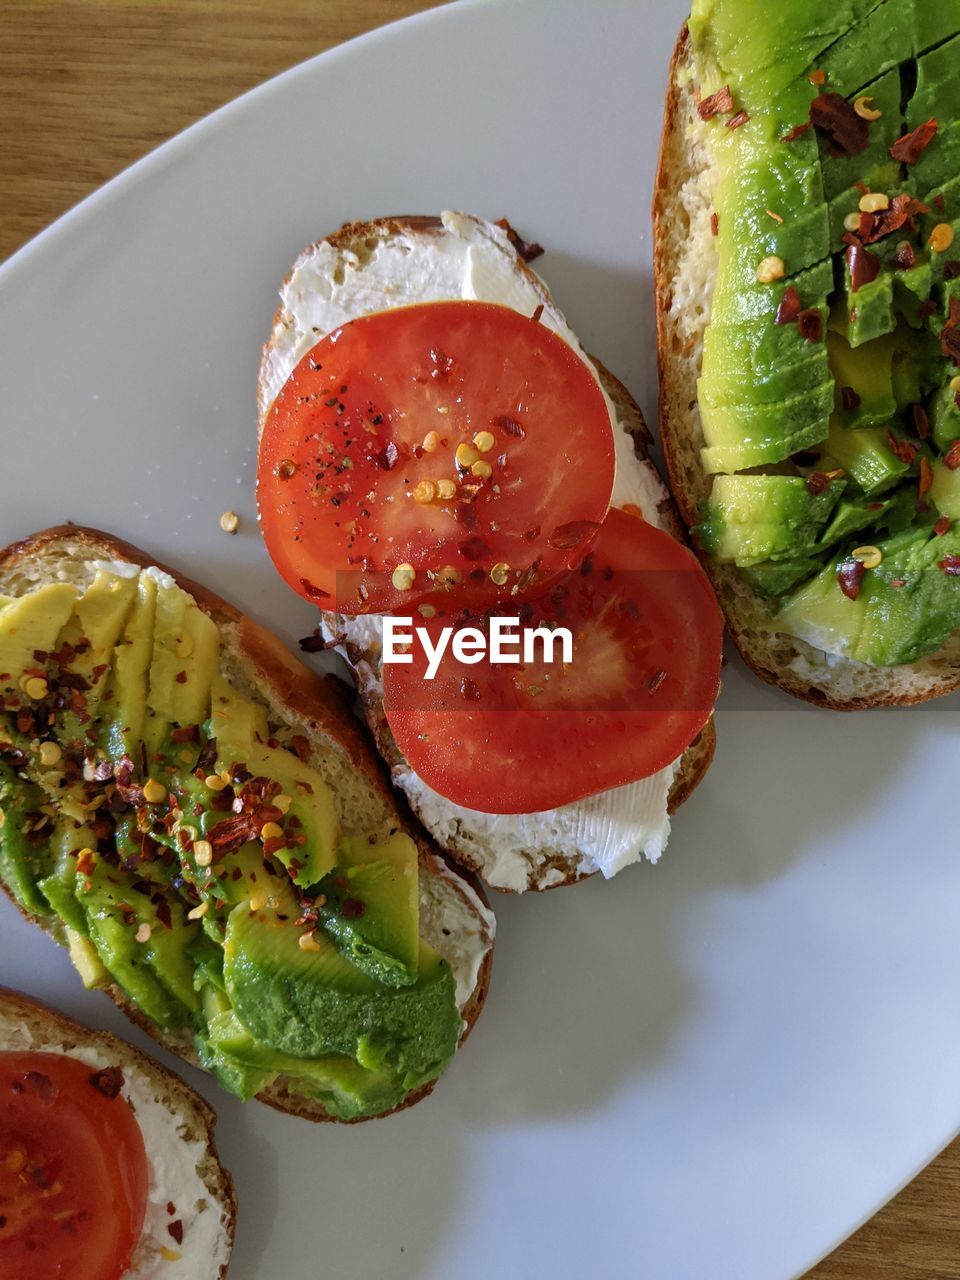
(373, 266)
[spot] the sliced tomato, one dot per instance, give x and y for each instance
(452, 448)
(73, 1171)
(646, 638)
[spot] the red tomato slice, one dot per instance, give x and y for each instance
(452, 448)
(73, 1172)
(643, 679)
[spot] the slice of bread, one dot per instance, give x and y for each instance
(455, 918)
(685, 263)
(170, 1113)
(353, 249)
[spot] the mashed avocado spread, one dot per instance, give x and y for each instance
(188, 852)
(829, 393)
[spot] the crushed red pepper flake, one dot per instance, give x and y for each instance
(905, 450)
(942, 526)
(108, 1081)
(951, 459)
(790, 306)
(863, 266)
(527, 249)
(817, 77)
(850, 576)
(820, 481)
(810, 324)
(951, 565)
(921, 422)
(908, 149)
(926, 478)
(720, 103)
(905, 258)
(832, 115)
(176, 1230)
(714, 224)
(797, 131)
(741, 118)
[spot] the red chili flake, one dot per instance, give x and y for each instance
(905, 258)
(942, 526)
(849, 398)
(300, 746)
(819, 481)
(572, 534)
(951, 269)
(181, 677)
(902, 212)
(926, 309)
(312, 592)
(273, 845)
(537, 313)
(714, 224)
(862, 265)
(951, 459)
(810, 324)
(926, 477)
(352, 909)
(797, 131)
(230, 833)
(790, 306)
(40, 1084)
(186, 733)
(742, 117)
(940, 203)
(171, 1207)
(833, 116)
(921, 422)
(163, 913)
(85, 862)
(898, 582)
(817, 77)
(720, 103)
(473, 549)
(905, 450)
(951, 565)
(388, 456)
(850, 575)
(527, 249)
(908, 148)
(176, 1230)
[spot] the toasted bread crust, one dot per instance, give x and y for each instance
(698, 755)
(194, 1110)
(318, 698)
(771, 655)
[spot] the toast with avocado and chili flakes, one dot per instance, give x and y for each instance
(200, 820)
(389, 262)
(188, 1204)
(806, 273)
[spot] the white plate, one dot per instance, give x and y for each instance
(708, 1070)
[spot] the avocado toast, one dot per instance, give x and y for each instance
(806, 274)
(199, 819)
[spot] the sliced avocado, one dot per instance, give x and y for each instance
(752, 350)
(852, 515)
(749, 301)
(747, 435)
(59, 888)
(93, 629)
(776, 577)
(311, 1003)
(372, 907)
(933, 21)
(945, 491)
(759, 517)
(24, 859)
(867, 371)
(237, 725)
(906, 607)
(945, 418)
(116, 907)
(84, 958)
(131, 664)
(937, 91)
(183, 662)
(805, 375)
(345, 1088)
(865, 454)
(31, 624)
(869, 311)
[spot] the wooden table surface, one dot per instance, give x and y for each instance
(89, 86)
